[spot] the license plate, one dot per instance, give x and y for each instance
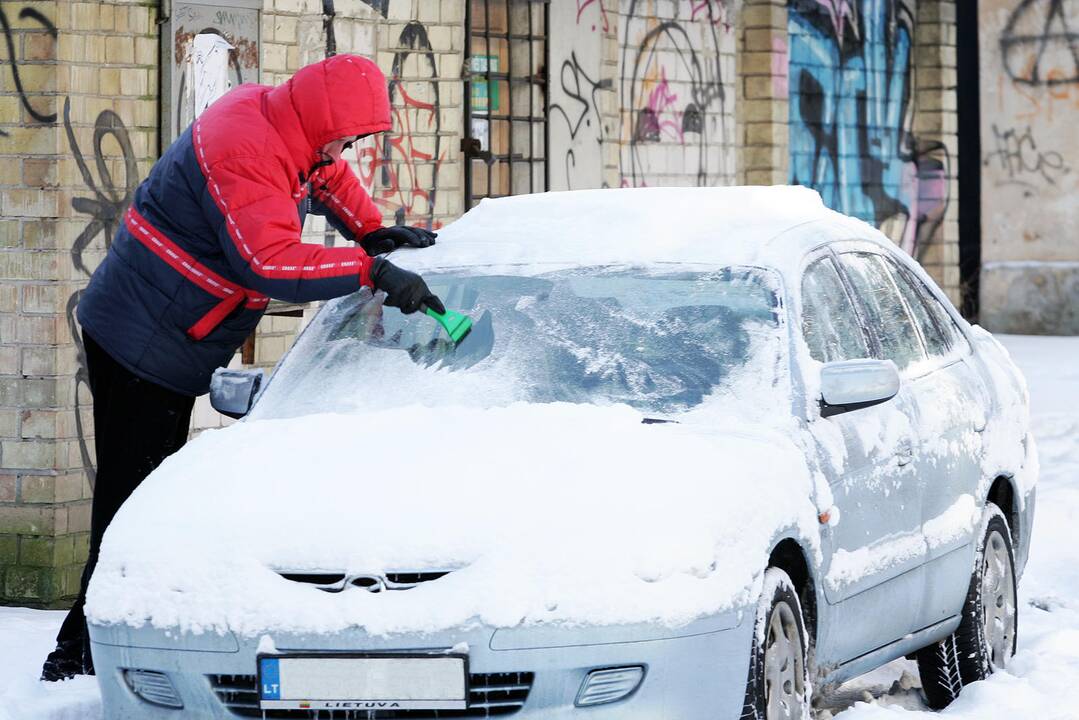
(363, 682)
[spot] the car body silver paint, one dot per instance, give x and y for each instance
(699, 671)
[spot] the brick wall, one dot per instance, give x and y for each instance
(76, 140)
(762, 72)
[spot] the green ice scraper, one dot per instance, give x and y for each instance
(457, 326)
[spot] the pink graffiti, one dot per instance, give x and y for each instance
(844, 14)
(715, 10)
(780, 68)
(661, 102)
(583, 5)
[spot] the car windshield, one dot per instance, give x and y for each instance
(658, 341)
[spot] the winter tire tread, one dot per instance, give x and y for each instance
(962, 657)
(778, 587)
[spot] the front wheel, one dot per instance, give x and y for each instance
(986, 637)
(778, 683)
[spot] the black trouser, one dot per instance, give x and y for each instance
(137, 424)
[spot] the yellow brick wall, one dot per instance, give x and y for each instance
(77, 138)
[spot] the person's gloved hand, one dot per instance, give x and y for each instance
(388, 239)
(404, 290)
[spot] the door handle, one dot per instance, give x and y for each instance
(904, 454)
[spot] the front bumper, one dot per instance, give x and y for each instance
(694, 675)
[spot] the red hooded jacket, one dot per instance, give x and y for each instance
(214, 231)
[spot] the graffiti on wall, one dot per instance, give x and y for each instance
(1039, 55)
(1037, 96)
(1040, 44)
(407, 159)
(47, 25)
(674, 127)
(1019, 160)
(578, 130)
(851, 117)
(1029, 97)
(105, 207)
(593, 8)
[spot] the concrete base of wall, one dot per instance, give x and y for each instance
(1035, 298)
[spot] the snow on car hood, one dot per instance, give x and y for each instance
(558, 512)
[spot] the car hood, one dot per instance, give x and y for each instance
(547, 513)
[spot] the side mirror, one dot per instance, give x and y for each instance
(856, 384)
(232, 392)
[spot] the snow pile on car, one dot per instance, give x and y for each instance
(546, 513)
(525, 234)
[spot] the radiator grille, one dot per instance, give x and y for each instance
(336, 582)
(490, 695)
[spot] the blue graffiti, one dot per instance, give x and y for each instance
(851, 116)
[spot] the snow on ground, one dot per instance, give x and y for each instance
(1039, 683)
(26, 637)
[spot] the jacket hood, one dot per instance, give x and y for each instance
(334, 98)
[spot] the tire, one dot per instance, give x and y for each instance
(778, 660)
(975, 650)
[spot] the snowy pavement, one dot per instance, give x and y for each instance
(1040, 680)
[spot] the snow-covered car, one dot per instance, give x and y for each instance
(704, 452)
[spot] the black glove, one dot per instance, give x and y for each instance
(388, 239)
(404, 290)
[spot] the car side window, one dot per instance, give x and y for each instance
(936, 344)
(829, 323)
(886, 313)
(952, 334)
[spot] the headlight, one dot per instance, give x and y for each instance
(607, 686)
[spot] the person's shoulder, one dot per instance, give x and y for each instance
(235, 128)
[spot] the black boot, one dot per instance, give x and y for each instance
(64, 663)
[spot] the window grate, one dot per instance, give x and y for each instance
(506, 97)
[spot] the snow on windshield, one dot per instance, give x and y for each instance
(659, 342)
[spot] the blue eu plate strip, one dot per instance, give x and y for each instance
(271, 678)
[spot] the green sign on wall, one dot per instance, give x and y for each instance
(484, 92)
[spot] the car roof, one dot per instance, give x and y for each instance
(528, 234)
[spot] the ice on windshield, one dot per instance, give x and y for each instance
(657, 342)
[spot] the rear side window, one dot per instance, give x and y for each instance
(936, 344)
(829, 324)
(952, 334)
(886, 314)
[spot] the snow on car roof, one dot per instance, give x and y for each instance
(632, 226)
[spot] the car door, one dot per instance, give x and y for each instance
(873, 543)
(951, 411)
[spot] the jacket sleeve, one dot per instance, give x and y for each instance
(259, 229)
(344, 202)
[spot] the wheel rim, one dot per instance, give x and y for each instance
(998, 600)
(784, 674)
